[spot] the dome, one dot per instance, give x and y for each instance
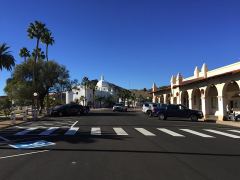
(102, 83)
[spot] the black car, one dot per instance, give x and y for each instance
(67, 109)
(180, 111)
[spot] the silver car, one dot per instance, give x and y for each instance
(119, 107)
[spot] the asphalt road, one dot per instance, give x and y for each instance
(119, 146)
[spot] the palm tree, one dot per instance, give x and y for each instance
(36, 30)
(92, 85)
(39, 53)
(85, 83)
(47, 39)
(24, 52)
(7, 60)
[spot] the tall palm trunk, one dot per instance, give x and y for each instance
(47, 51)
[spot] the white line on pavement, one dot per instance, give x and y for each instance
(26, 131)
(223, 133)
(24, 154)
(74, 124)
(145, 132)
(96, 131)
(72, 131)
(172, 133)
(49, 131)
(197, 133)
(120, 131)
(236, 131)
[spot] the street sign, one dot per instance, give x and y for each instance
(31, 144)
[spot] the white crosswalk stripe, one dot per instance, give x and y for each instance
(96, 131)
(223, 133)
(197, 133)
(72, 131)
(24, 132)
(145, 132)
(236, 131)
(48, 131)
(172, 133)
(120, 131)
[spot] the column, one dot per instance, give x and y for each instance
(220, 97)
(165, 98)
(220, 108)
(204, 110)
(190, 104)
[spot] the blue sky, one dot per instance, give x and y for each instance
(133, 43)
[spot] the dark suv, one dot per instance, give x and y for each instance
(180, 111)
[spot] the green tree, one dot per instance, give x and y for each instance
(19, 86)
(39, 53)
(47, 39)
(7, 60)
(92, 86)
(5, 106)
(100, 99)
(36, 31)
(85, 82)
(24, 53)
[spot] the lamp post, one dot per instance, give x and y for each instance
(35, 95)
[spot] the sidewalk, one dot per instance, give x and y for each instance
(8, 123)
(229, 123)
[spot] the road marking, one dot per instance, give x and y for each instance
(72, 131)
(172, 133)
(237, 131)
(24, 154)
(74, 124)
(223, 133)
(197, 133)
(5, 139)
(21, 133)
(49, 131)
(96, 131)
(120, 131)
(145, 132)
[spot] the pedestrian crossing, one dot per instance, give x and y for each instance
(130, 131)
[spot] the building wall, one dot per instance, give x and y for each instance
(209, 91)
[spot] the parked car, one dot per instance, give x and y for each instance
(67, 109)
(151, 109)
(86, 109)
(119, 107)
(180, 111)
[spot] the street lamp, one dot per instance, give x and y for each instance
(35, 95)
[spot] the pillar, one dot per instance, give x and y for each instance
(203, 101)
(165, 98)
(190, 104)
(221, 104)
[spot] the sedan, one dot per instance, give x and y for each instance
(67, 109)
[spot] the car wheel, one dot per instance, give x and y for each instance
(161, 116)
(149, 113)
(60, 114)
(194, 117)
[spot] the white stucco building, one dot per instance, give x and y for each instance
(84, 95)
(209, 91)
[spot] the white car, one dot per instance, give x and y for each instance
(148, 108)
(119, 107)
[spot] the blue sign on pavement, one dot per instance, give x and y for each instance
(32, 144)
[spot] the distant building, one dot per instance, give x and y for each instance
(213, 92)
(84, 96)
